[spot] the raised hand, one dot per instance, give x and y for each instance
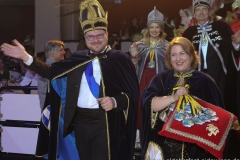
(134, 50)
(16, 50)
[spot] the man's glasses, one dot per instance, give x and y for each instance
(92, 38)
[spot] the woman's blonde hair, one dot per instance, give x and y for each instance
(187, 47)
(147, 36)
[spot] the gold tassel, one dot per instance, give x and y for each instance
(236, 125)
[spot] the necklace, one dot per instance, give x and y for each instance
(151, 63)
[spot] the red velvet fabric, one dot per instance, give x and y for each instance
(235, 26)
(147, 75)
(198, 133)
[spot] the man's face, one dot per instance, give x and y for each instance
(96, 40)
(201, 13)
(58, 55)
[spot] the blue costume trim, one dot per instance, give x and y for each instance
(46, 116)
(67, 145)
(94, 87)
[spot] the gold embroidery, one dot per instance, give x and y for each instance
(154, 151)
(213, 130)
(153, 115)
(66, 72)
(106, 115)
(125, 112)
(200, 139)
(236, 125)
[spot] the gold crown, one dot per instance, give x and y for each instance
(92, 16)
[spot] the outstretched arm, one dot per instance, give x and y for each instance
(16, 50)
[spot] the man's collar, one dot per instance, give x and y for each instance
(99, 55)
(203, 25)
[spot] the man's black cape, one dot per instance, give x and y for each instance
(119, 77)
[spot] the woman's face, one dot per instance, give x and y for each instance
(180, 60)
(154, 30)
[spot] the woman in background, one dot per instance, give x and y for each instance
(148, 54)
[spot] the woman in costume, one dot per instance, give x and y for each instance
(159, 99)
(148, 54)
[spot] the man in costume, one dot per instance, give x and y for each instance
(217, 48)
(94, 95)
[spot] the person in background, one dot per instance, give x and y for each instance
(113, 41)
(28, 43)
(29, 78)
(67, 53)
(23, 68)
(140, 23)
(216, 46)
(169, 26)
(148, 54)
(32, 78)
(4, 73)
(41, 56)
(94, 95)
(134, 28)
(124, 32)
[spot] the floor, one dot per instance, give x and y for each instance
(5, 156)
(234, 151)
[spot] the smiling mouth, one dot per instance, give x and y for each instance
(179, 63)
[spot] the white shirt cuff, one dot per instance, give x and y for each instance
(115, 103)
(30, 60)
(236, 46)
